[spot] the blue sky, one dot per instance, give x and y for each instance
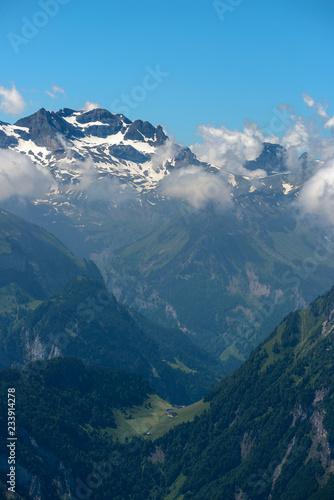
(212, 68)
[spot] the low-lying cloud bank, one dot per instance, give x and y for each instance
(11, 101)
(316, 198)
(317, 195)
(98, 188)
(197, 187)
(20, 177)
(229, 150)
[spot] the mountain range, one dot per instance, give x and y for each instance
(107, 172)
(56, 305)
(34, 264)
(182, 271)
(225, 275)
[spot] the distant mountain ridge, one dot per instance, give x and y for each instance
(117, 146)
(53, 304)
(135, 152)
(108, 170)
(34, 262)
(205, 271)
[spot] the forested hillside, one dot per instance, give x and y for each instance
(85, 321)
(33, 264)
(269, 433)
(64, 423)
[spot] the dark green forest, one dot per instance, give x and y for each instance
(269, 430)
(268, 433)
(85, 321)
(64, 411)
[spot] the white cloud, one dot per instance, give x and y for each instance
(309, 101)
(297, 140)
(307, 136)
(197, 187)
(95, 188)
(163, 153)
(90, 105)
(230, 148)
(320, 109)
(48, 92)
(297, 136)
(19, 176)
(11, 101)
(54, 91)
(317, 195)
(330, 123)
(57, 89)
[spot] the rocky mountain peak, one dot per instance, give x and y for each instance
(272, 159)
(44, 126)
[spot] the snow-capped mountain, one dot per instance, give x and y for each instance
(99, 159)
(107, 202)
(135, 152)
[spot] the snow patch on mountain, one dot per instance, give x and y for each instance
(135, 153)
